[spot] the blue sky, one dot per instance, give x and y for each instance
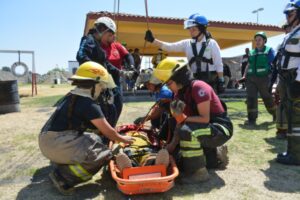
(53, 28)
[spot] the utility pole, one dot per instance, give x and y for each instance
(257, 11)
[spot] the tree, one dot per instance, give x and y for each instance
(56, 69)
(5, 68)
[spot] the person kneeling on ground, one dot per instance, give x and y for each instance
(159, 114)
(77, 155)
(203, 126)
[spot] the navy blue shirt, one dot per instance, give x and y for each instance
(84, 110)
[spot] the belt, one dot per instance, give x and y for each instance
(288, 70)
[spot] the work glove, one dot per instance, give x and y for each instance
(242, 80)
(221, 85)
(139, 120)
(132, 68)
(122, 73)
(176, 108)
(149, 36)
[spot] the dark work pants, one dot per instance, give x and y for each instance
(292, 107)
(254, 85)
(208, 137)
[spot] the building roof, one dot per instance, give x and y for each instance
(131, 29)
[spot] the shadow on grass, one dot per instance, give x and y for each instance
(106, 188)
(279, 145)
(282, 178)
(262, 126)
(179, 190)
(41, 188)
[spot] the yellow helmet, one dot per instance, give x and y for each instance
(166, 68)
(94, 71)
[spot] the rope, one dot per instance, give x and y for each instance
(147, 116)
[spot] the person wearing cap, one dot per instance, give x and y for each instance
(75, 154)
(289, 74)
(202, 51)
(99, 45)
(158, 57)
(257, 74)
(159, 115)
(203, 126)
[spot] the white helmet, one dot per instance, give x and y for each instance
(108, 22)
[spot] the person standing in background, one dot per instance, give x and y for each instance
(202, 51)
(244, 63)
(257, 78)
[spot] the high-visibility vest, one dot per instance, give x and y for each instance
(258, 62)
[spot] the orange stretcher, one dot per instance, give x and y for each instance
(145, 179)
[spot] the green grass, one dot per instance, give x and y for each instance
(46, 101)
(250, 148)
(246, 140)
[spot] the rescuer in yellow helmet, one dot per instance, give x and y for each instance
(76, 154)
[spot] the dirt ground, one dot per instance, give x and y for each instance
(251, 174)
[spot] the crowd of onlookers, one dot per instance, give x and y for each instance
(130, 74)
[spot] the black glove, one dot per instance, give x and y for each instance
(149, 36)
(242, 80)
(221, 85)
(139, 120)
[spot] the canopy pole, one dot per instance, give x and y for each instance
(147, 22)
(147, 17)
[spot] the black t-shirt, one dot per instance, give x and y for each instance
(84, 110)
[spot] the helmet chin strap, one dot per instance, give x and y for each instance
(100, 34)
(197, 36)
(291, 24)
(297, 17)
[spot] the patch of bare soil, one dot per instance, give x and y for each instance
(24, 171)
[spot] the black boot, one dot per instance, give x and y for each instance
(60, 183)
(194, 170)
(292, 156)
(250, 123)
(281, 134)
